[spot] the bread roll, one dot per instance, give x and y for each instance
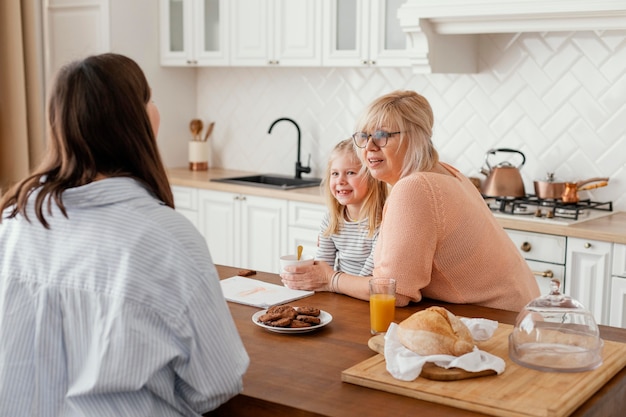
(435, 331)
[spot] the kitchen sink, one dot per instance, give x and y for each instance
(272, 181)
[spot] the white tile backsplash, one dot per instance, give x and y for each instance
(560, 98)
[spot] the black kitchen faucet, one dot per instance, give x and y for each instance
(299, 168)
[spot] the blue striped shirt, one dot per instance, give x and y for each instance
(350, 250)
(116, 311)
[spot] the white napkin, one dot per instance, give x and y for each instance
(406, 365)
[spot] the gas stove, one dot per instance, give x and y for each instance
(547, 211)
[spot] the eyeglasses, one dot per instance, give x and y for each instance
(379, 138)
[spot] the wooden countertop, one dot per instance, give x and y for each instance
(202, 179)
(610, 228)
(300, 374)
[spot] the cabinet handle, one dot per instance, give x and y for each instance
(587, 245)
(544, 274)
(365, 62)
(192, 62)
(373, 62)
(526, 247)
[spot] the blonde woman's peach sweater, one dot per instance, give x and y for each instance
(439, 240)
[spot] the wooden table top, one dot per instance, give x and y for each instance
(300, 374)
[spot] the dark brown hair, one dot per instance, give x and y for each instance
(99, 124)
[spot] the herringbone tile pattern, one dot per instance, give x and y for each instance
(560, 98)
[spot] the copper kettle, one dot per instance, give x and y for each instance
(503, 180)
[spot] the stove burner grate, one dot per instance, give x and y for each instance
(529, 204)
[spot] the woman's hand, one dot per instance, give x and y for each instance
(314, 277)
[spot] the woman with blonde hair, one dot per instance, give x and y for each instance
(438, 239)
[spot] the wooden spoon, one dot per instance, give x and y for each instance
(196, 126)
(209, 130)
(299, 251)
(430, 370)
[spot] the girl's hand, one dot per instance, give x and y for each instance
(314, 277)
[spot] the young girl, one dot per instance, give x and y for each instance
(355, 203)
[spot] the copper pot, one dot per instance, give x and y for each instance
(549, 189)
(503, 180)
(570, 193)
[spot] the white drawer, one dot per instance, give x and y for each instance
(539, 247)
(185, 197)
(306, 215)
(619, 260)
(545, 272)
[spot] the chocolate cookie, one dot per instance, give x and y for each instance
(284, 310)
(308, 319)
(299, 323)
(309, 311)
(282, 322)
(268, 317)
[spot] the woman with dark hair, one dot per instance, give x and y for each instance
(437, 239)
(109, 301)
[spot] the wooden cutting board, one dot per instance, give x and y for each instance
(518, 392)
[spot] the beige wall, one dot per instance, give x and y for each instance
(135, 32)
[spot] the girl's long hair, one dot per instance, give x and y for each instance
(374, 200)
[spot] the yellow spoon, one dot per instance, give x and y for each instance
(299, 251)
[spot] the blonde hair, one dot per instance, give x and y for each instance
(372, 204)
(411, 114)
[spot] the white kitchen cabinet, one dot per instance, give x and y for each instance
(363, 33)
(243, 230)
(545, 255)
(617, 314)
(304, 221)
(186, 202)
(74, 30)
(587, 275)
(276, 32)
(194, 32)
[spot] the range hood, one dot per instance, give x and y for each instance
(442, 34)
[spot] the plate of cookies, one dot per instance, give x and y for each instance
(291, 319)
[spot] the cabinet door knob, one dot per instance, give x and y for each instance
(526, 247)
(544, 274)
(587, 245)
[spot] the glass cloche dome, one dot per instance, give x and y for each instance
(556, 333)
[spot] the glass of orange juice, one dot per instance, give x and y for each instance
(382, 304)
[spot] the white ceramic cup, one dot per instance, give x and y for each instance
(305, 259)
(199, 155)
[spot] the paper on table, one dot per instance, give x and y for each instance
(257, 293)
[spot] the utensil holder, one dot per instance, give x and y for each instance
(199, 155)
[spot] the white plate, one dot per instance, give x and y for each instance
(325, 318)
